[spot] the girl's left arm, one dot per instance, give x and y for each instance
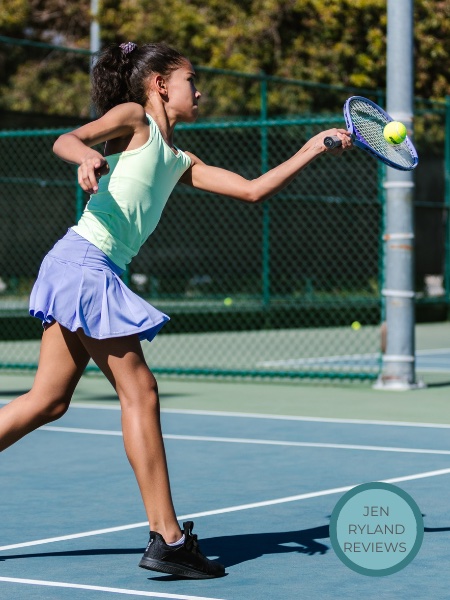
(227, 183)
(125, 121)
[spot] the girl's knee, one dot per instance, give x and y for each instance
(140, 394)
(54, 409)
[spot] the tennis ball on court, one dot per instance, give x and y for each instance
(356, 325)
(228, 301)
(394, 132)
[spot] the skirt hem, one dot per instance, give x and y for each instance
(152, 331)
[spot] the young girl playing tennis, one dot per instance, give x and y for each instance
(141, 93)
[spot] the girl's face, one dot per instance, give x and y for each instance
(182, 95)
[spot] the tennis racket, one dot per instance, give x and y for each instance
(366, 121)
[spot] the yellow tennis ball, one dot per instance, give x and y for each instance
(394, 132)
(356, 325)
(228, 301)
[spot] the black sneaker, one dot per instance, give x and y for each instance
(184, 560)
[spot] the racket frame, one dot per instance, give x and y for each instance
(359, 141)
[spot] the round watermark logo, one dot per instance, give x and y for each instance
(376, 529)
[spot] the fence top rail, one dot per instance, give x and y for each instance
(253, 123)
(34, 44)
(13, 133)
(204, 124)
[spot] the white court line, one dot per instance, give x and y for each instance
(204, 438)
(369, 359)
(433, 370)
(80, 430)
(431, 352)
(229, 509)
(241, 415)
(220, 413)
(78, 586)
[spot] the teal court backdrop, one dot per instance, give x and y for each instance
(287, 288)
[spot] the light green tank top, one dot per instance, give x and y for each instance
(130, 199)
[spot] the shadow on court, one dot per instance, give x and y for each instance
(98, 397)
(438, 384)
(235, 549)
(229, 550)
(112, 396)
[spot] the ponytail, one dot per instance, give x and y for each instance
(121, 72)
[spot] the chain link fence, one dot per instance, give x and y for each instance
(271, 289)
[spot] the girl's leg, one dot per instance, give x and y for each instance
(62, 361)
(123, 363)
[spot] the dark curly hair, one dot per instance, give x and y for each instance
(120, 73)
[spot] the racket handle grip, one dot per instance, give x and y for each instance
(332, 141)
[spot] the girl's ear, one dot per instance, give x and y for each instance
(160, 85)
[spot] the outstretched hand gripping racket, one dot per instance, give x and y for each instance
(366, 121)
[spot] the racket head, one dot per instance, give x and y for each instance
(366, 121)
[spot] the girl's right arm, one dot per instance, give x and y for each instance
(221, 181)
(126, 121)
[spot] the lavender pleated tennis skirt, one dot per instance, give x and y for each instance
(79, 287)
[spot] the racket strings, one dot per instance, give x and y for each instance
(370, 123)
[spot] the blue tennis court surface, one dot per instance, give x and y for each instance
(259, 488)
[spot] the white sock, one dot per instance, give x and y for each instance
(180, 541)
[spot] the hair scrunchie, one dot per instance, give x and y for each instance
(128, 47)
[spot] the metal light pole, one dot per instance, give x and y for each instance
(95, 28)
(398, 371)
(94, 39)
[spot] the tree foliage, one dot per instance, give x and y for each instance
(339, 42)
